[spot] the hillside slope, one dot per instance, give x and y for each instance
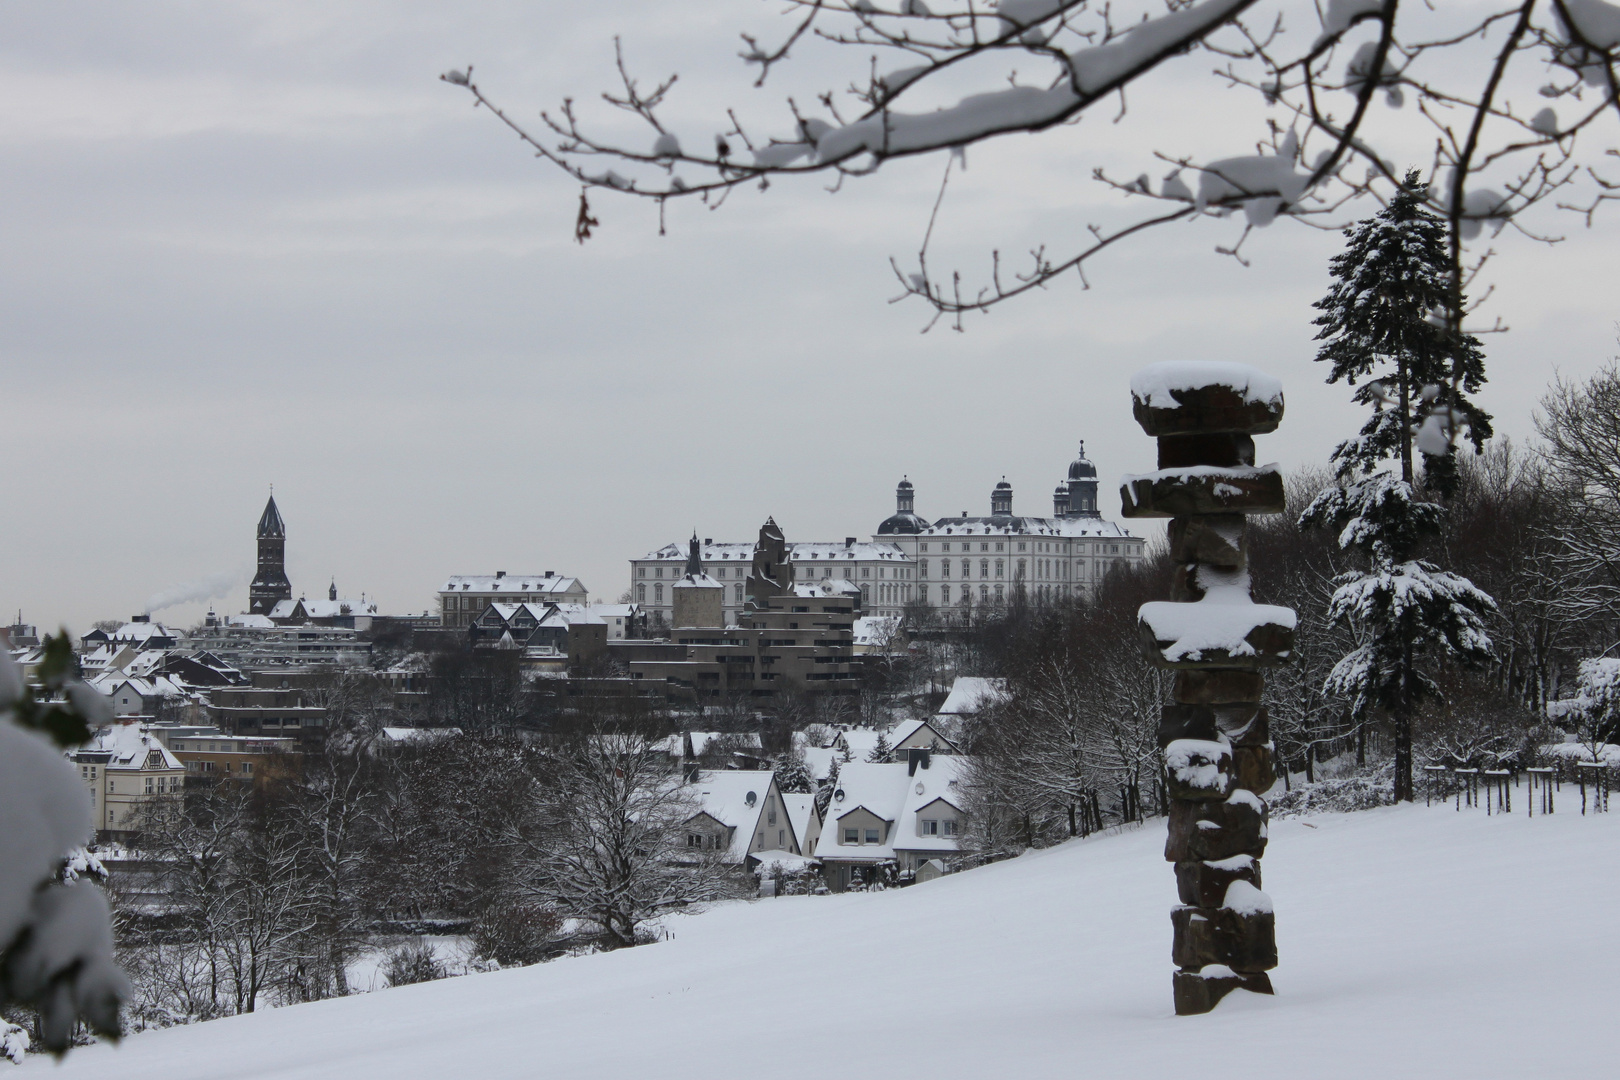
(1414, 942)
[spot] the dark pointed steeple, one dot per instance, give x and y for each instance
(694, 559)
(270, 524)
(270, 584)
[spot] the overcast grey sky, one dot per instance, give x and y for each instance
(256, 243)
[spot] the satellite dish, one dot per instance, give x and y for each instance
(838, 796)
(919, 787)
(750, 798)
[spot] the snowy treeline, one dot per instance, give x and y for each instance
(532, 845)
(1074, 748)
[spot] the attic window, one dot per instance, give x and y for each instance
(852, 836)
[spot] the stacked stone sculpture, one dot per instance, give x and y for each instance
(1218, 751)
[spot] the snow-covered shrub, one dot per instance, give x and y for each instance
(1362, 791)
(413, 962)
(55, 937)
(13, 1041)
(515, 933)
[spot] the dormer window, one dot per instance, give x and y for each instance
(852, 836)
(872, 837)
(928, 827)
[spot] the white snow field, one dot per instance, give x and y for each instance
(1415, 942)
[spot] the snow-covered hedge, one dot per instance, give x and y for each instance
(1363, 791)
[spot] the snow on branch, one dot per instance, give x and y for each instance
(1506, 89)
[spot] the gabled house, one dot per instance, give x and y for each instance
(740, 814)
(805, 819)
(899, 814)
(919, 735)
(139, 697)
(129, 774)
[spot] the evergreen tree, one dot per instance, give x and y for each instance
(1387, 316)
(880, 750)
(793, 775)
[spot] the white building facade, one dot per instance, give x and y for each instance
(965, 560)
(952, 562)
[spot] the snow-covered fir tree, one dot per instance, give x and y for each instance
(1387, 317)
(793, 775)
(880, 749)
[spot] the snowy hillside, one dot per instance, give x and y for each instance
(1414, 942)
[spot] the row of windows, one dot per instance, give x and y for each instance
(1039, 546)
(719, 572)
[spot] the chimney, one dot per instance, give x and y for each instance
(849, 541)
(707, 541)
(550, 573)
(915, 756)
(140, 618)
(500, 573)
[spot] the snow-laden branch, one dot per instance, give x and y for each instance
(1507, 90)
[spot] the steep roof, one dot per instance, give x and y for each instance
(270, 523)
(723, 795)
(131, 746)
(969, 694)
(801, 812)
(517, 583)
(1024, 526)
(895, 794)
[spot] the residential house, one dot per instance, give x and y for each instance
(741, 813)
(899, 815)
(464, 597)
(131, 775)
(918, 735)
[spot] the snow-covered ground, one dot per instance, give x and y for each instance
(1415, 942)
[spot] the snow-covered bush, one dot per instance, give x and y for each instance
(1361, 791)
(55, 936)
(515, 933)
(413, 962)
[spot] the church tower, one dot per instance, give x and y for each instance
(1082, 487)
(270, 584)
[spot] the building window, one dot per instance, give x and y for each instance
(852, 836)
(866, 571)
(967, 568)
(930, 827)
(999, 564)
(1000, 546)
(641, 571)
(781, 838)
(641, 594)
(872, 836)
(247, 768)
(1020, 545)
(984, 568)
(923, 546)
(944, 594)
(694, 840)
(737, 590)
(950, 827)
(658, 594)
(923, 568)
(658, 571)
(984, 594)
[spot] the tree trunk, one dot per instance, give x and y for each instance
(1403, 754)
(1310, 763)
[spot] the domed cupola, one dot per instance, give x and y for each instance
(1082, 487)
(1060, 501)
(1001, 499)
(1080, 468)
(904, 522)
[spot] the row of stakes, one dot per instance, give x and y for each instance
(1493, 788)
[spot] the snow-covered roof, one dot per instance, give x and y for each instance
(819, 759)
(764, 860)
(250, 622)
(323, 609)
(697, 581)
(801, 551)
(875, 629)
(418, 735)
(907, 728)
(746, 740)
(614, 611)
(969, 694)
(161, 686)
(894, 794)
(1025, 526)
(141, 631)
(861, 741)
(131, 747)
(801, 811)
(723, 795)
(826, 587)
(517, 583)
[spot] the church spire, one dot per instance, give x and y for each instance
(270, 584)
(694, 559)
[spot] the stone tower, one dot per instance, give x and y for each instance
(270, 584)
(1217, 749)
